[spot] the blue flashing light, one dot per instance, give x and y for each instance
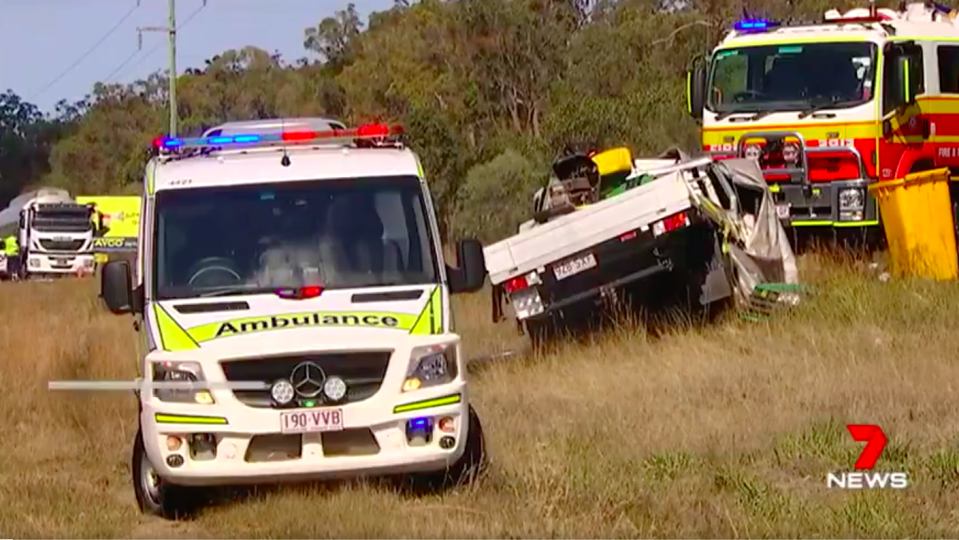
(755, 25)
(419, 423)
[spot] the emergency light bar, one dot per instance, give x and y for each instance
(371, 132)
(755, 25)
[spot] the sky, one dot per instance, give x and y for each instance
(41, 39)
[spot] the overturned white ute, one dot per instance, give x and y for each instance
(668, 229)
(290, 279)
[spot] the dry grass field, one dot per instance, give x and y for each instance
(725, 431)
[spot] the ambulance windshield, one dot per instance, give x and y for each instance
(792, 77)
(247, 239)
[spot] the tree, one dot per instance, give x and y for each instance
(26, 137)
(332, 39)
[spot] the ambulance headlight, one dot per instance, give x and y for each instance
(183, 373)
(430, 366)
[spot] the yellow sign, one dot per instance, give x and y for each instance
(117, 219)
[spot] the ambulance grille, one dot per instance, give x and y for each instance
(363, 373)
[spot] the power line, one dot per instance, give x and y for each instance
(90, 51)
(123, 64)
(156, 47)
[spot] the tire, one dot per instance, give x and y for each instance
(154, 495)
(467, 469)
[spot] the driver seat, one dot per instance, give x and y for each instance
(353, 243)
(785, 79)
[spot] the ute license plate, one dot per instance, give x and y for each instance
(311, 420)
(782, 211)
(574, 266)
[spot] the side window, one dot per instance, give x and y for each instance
(948, 58)
(895, 74)
(730, 76)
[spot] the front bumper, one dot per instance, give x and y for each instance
(59, 263)
(818, 204)
(373, 442)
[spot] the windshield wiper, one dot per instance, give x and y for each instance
(756, 115)
(237, 289)
(831, 104)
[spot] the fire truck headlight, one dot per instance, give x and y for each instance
(791, 152)
(851, 199)
(753, 151)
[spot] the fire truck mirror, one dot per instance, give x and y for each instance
(696, 89)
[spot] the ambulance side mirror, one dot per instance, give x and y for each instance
(470, 275)
(116, 287)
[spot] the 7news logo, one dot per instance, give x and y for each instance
(875, 441)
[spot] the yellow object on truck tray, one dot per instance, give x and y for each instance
(916, 214)
(617, 160)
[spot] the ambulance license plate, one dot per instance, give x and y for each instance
(311, 421)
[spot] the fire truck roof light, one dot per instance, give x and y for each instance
(755, 25)
(374, 131)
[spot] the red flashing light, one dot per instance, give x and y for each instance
(628, 236)
(832, 166)
(516, 284)
(373, 130)
(859, 20)
(300, 135)
(302, 293)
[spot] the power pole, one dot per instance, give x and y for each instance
(173, 108)
(171, 31)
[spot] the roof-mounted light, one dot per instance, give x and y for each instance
(367, 133)
(755, 25)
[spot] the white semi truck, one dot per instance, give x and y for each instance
(55, 233)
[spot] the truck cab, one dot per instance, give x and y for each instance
(56, 235)
(298, 278)
(831, 107)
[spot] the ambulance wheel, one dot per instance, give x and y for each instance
(154, 495)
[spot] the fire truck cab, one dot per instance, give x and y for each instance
(828, 108)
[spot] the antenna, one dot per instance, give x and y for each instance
(285, 160)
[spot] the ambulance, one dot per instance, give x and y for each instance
(293, 305)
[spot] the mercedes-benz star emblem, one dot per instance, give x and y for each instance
(307, 379)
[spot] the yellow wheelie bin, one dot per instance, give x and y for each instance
(916, 214)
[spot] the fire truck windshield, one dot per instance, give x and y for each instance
(797, 77)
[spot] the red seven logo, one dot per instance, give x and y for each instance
(875, 441)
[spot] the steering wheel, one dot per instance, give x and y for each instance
(739, 97)
(214, 266)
